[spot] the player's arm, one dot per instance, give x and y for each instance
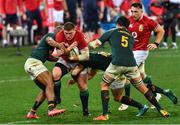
(50, 41)
(160, 33)
(105, 37)
(94, 44)
(69, 48)
(54, 55)
(91, 75)
(83, 56)
(51, 58)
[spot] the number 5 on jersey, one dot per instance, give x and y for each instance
(124, 41)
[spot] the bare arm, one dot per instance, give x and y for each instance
(94, 44)
(160, 33)
(50, 41)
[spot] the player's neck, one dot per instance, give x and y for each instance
(121, 27)
(141, 17)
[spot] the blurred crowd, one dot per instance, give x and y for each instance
(24, 22)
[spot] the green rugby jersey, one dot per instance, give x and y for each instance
(43, 49)
(121, 42)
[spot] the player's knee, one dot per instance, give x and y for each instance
(82, 87)
(147, 80)
(143, 75)
(49, 82)
(104, 86)
(117, 98)
(49, 86)
(57, 73)
(76, 71)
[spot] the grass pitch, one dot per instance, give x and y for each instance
(17, 93)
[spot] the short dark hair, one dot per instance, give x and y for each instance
(123, 21)
(137, 5)
(57, 29)
(69, 26)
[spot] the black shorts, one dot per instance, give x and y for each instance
(97, 61)
(63, 68)
(11, 19)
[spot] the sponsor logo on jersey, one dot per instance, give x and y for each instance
(141, 27)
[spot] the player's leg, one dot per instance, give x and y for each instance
(166, 34)
(46, 79)
(155, 89)
(107, 80)
(147, 80)
(127, 89)
(78, 68)
(173, 33)
(108, 77)
(136, 80)
(58, 72)
(84, 93)
(140, 57)
(40, 73)
(117, 89)
(39, 100)
(166, 92)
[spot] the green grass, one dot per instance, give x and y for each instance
(17, 92)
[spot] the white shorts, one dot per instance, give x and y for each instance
(34, 67)
(58, 16)
(140, 56)
(119, 83)
(118, 72)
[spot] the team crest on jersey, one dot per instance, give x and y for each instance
(141, 27)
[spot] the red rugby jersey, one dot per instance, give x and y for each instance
(141, 30)
(10, 6)
(58, 4)
(31, 5)
(79, 38)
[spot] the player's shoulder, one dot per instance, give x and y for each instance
(52, 35)
(61, 32)
(59, 35)
(112, 31)
(131, 19)
(79, 33)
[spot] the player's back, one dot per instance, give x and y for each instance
(121, 42)
(97, 61)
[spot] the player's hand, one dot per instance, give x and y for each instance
(60, 52)
(73, 58)
(152, 46)
(74, 44)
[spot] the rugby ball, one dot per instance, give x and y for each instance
(74, 52)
